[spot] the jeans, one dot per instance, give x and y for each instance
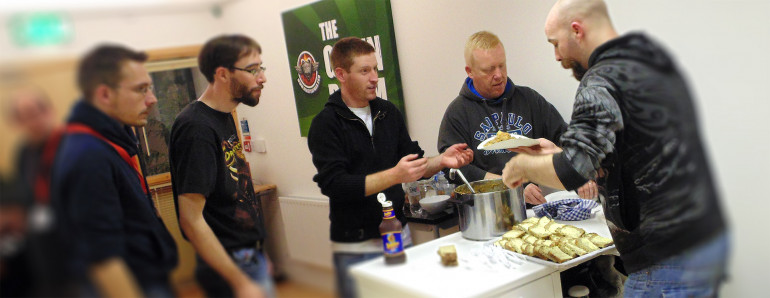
(251, 261)
(346, 286)
(697, 272)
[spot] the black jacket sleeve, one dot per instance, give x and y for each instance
(590, 136)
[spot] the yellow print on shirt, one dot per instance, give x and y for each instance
(246, 208)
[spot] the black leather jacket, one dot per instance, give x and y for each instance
(634, 118)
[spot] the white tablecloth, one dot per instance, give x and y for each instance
(423, 275)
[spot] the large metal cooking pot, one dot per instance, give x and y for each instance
(491, 211)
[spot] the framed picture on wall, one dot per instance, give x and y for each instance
(177, 83)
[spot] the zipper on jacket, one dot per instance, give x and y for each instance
(371, 137)
(374, 122)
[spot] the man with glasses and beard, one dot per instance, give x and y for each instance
(218, 209)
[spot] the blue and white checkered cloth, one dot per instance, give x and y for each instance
(567, 209)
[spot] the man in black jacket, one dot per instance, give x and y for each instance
(634, 127)
(361, 147)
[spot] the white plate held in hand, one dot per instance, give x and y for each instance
(515, 141)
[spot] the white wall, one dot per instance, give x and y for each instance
(721, 45)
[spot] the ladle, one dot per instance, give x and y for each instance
(452, 176)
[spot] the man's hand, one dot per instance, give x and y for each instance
(513, 176)
(456, 156)
(545, 147)
(248, 289)
(409, 168)
(533, 194)
(588, 191)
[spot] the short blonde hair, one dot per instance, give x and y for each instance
(484, 40)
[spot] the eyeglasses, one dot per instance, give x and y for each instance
(255, 71)
(143, 89)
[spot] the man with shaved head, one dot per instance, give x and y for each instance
(634, 129)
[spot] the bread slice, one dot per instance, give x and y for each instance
(563, 247)
(558, 256)
(543, 221)
(575, 248)
(586, 245)
(553, 226)
(525, 225)
(529, 239)
(448, 255)
(509, 246)
(570, 231)
(538, 231)
(541, 252)
(528, 249)
(545, 242)
(515, 245)
(598, 240)
(514, 233)
(531, 220)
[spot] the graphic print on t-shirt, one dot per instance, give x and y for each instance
(246, 206)
(510, 123)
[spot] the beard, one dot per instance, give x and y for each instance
(242, 94)
(578, 71)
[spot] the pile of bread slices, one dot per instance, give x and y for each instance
(546, 239)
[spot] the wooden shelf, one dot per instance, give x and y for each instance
(264, 187)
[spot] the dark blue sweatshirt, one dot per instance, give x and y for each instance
(100, 208)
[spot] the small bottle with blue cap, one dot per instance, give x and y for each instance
(390, 230)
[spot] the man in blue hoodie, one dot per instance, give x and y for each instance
(634, 127)
(488, 102)
(113, 238)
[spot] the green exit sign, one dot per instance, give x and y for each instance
(40, 29)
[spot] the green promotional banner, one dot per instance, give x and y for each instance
(311, 32)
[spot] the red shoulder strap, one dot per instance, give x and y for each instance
(43, 177)
(133, 162)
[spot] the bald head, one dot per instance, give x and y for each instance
(576, 28)
(587, 11)
(30, 110)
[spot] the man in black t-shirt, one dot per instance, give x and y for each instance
(218, 210)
